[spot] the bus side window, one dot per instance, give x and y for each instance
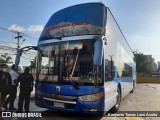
(127, 71)
(109, 70)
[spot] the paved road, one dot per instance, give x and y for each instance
(146, 97)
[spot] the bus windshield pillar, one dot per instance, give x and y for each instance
(98, 52)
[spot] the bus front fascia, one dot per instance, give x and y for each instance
(97, 57)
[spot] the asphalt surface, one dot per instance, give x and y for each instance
(146, 97)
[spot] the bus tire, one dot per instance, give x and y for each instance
(118, 100)
(133, 87)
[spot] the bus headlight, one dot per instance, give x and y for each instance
(91, 97)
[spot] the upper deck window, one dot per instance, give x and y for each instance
(76, 20)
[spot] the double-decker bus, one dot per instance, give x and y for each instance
(87, 65)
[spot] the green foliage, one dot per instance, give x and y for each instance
(5, 58)
(33, 64)
(142, 65)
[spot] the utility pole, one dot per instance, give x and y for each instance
(18, 37)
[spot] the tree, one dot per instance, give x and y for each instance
(142, 64)
(33, 65)
(4, 58)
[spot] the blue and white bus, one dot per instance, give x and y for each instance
(87, 65)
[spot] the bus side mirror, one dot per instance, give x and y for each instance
(104, 39)
(98, 52)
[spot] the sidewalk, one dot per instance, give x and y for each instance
(17, 98)
(32, 108)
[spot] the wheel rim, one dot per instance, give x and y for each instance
(118, 100)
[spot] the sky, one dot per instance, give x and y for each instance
(139, 20)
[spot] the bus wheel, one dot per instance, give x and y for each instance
(133, 87)
(116, 107)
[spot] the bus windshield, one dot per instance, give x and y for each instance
(67, 61)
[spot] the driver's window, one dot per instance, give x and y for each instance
(109, 69)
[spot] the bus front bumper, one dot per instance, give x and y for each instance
(80, 107)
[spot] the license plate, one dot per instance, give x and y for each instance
(57, 104)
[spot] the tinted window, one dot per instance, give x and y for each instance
(127, 71)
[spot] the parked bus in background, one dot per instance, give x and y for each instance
(87, 65)
(155, 74)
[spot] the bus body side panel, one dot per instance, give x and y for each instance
(118, 51)
(110, 89)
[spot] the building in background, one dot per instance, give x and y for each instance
(158, 69)
(151, 63)
(154, 65)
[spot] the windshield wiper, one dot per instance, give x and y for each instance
(75, 84)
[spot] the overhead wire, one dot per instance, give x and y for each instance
(7, 42)
(5, 47)
(14, 31)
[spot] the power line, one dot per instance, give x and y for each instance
(13, 48)
(7, 53)
(6, 29)
(1, 42)
(7, 48)
(7, 42)
(14, 31)
(18, 36)
(14, 51)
